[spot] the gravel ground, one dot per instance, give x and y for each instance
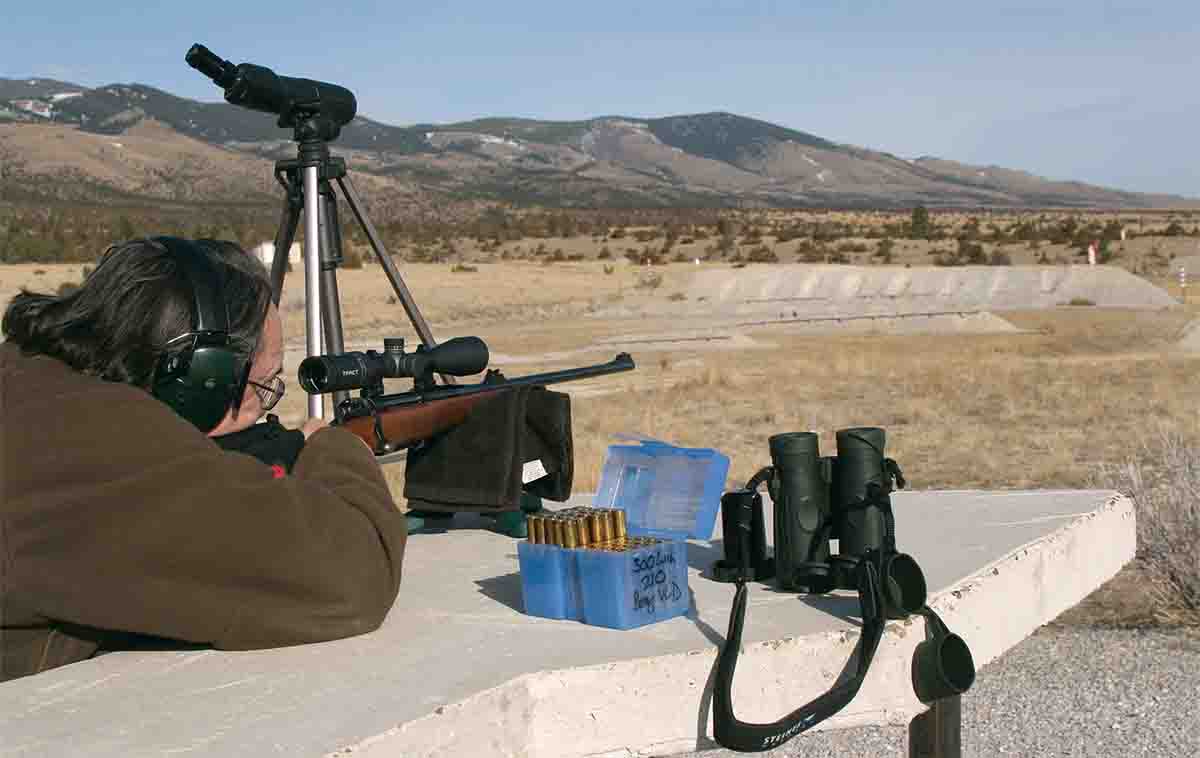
(1065, 691)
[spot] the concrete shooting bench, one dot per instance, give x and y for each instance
(458, 670)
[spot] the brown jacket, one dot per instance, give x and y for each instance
(117, 515)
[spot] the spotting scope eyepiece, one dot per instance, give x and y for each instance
(261, 89)
(461, 356)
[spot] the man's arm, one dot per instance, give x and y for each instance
(153, 529)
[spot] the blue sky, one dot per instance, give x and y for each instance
(1107, 93)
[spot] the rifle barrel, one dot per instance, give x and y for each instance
(357, 407)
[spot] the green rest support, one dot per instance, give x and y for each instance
(511, 523)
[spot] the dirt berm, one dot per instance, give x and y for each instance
(798, 290)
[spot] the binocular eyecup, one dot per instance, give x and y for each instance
(904, 589)
(942, 666)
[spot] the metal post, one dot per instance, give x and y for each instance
(937, 733)
(312, 276)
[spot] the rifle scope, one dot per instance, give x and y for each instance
(461, 356)
(261, 89)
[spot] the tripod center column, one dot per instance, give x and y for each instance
(312, 156)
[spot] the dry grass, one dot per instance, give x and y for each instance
(1041, 410)
(1164, 482)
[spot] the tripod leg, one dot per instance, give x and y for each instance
(289, 219)
(331, 258)
(385, 260)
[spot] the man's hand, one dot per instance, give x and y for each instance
(312, 425)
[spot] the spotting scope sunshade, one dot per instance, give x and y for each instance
(261, 89)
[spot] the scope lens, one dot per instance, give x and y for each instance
(313, 375)
(330, 373)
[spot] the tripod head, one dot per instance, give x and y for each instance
(318, 108)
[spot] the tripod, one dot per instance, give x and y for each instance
(316, 112)
(307, 181)
(308, 190)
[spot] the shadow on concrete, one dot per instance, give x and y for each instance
(451, 522)
(119, 642)
(504, 589)
(716, 638)
(842, 607)
(702, 557)
(693, 615)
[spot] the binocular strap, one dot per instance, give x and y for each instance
(746, 737)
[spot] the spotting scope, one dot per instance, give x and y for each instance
(461, 356)
(261, 89)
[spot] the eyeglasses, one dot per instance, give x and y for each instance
(269, 396)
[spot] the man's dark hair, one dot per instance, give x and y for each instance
(116, 324)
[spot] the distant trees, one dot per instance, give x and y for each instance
(966, 253)
(883, 250)
(919, 225)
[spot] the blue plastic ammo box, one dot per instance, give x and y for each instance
(667, 492)
(549, 581)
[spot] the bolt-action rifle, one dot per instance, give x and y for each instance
(391, 422)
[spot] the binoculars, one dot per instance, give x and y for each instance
(844, 498)
(847, 498)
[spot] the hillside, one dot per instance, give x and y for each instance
(64, 140)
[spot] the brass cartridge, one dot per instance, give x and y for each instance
(618, 520)
(595, 521)
(534, 524)
(582, 533)
(606, 525)
(556, 532)
(569, 534)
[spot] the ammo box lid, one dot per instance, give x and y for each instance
(666, 491)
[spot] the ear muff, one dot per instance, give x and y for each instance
(200, 375)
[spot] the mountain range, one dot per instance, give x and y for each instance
(135, 141)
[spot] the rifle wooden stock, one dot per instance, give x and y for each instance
(405, 419)
(406, 425)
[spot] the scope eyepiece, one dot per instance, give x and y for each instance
(221, 71)
(461, 356)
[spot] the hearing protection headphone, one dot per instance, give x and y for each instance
(200, 375)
